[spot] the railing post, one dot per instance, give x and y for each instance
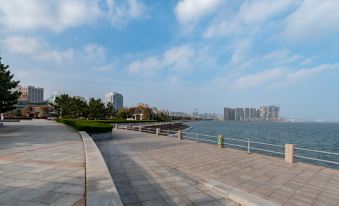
(180, 135)
(221, 141)
(168, 133)
(289, 153)
(248, 146)
(140, 129)
(157, 131)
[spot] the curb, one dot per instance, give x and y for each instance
(100, 188)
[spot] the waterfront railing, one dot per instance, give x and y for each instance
(290, 152)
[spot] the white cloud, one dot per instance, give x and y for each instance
(178, 59)
(308, 72)
(120, 12)
(188, 11)
(36, 49)
(251, 14)
(259, 78)
(146, 67)
(106, 68)
(54, 15)
(281, 77)
(94, 52)
(58, 15)
(281, 57)
(313, 18)
(241, 51)
(255, 12)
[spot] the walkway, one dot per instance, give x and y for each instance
(139, 154)
(41, 163)
(142, 181)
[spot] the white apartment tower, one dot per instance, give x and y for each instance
(116, 99)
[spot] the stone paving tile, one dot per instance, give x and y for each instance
(143, 181)
(41, 162)
(265, 176)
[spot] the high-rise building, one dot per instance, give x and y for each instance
(116, 99)
(273, 112)
(229, 114)
(23, 98)
(249, 114)
(35, 94)
(269, 112)
(239, 114)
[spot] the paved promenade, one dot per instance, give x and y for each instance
(141, 180)
(41, 163)
(260, 175)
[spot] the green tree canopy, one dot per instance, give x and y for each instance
(122, 113)
(8, 95)
(96, 109)
(110, 111)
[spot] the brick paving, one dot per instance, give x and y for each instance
(41, 163)
(140, 180)
(267, 177)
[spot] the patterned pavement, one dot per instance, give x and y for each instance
(41, 163)
(264, 176)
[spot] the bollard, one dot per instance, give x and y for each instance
(180, 135)
(248, 146)
(140, 129)
(126, 127)
(289, 153)
(157, 131)
(221, 141)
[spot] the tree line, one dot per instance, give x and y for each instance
(75, 107)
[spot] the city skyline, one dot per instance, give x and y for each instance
(180, 55)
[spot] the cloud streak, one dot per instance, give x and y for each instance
(188, 11)
(36, 49)
(57, 16)
(281, 77)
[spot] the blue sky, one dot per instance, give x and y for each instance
(180, 55)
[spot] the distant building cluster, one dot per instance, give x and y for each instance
(116, 99)
(195, 115)
(31, 94)
(265, 113)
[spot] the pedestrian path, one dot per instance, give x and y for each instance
(264, 176)
(142, 181)
(41, 163)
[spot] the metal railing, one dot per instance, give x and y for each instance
(238, 143)
(247, 145)
(316, 152)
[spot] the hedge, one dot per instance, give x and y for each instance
(88, 126)
(96, 126)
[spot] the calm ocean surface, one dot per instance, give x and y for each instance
(318, 136)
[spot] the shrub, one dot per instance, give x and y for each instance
(87, 125)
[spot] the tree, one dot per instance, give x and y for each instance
(8, 95)
(110, 111)
(78, 107)
(96, 109)
(62, 105)
(122, 113)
